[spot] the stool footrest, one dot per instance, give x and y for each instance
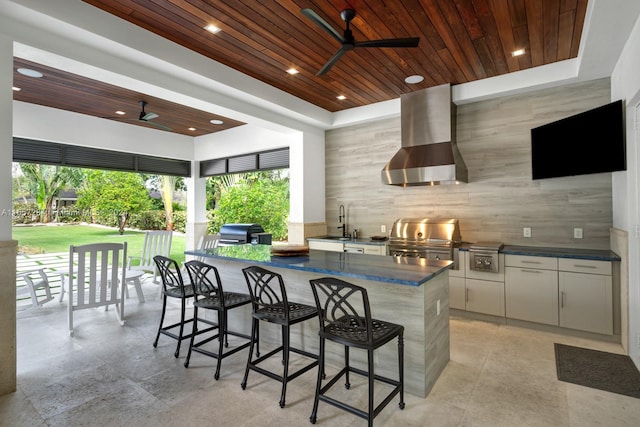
(352, 409)
(253, 364)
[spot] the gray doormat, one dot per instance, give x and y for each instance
(611, 372)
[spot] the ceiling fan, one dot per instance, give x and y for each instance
(146, 117)
(348, 42)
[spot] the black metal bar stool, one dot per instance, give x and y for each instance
(174, 287)
(270, 304)
(345, 318)
(209, 295)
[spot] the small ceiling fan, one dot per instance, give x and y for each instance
(348, 42)
(146, 117)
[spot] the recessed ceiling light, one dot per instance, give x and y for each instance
(341, 97)
(212, 29)
(413, 79)
(122, 113)
(16, 89)
(192, 129)
(29, 72)
(517, 52)
(292, 71)
(216, 122)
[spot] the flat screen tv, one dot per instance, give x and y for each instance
(587, 143)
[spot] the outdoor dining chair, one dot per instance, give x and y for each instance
(156, 242)
(97, 278)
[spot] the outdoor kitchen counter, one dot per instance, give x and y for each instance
(409, 271)
(414, 295)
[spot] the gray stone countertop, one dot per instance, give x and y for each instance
(347, 240)
(402, 271)
(573, 253)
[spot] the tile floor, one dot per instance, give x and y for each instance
(108, 375)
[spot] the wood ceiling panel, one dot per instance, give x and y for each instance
(460, 41)
(71, 92)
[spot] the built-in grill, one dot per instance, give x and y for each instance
(238, 234)
(428, 238)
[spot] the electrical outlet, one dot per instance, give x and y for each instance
(383, 228)
(526, 232)
(577, 233)
(438, 308)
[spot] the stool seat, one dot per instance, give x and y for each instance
(270, 304)
(210, 295)
(173, 287)
(345, 318)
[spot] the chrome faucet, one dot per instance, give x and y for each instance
(342, 217)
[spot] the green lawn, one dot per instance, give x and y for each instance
(53, 238)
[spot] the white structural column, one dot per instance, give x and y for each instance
(307, 190)
(7, 246)
(196, 207)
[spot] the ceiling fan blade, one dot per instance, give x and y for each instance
(158, 125)
(330, 62)
(148, 116)
(407, 42)
(323, 24)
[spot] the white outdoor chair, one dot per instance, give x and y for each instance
(155, 243)
(37, 279)
(208, 241)
(97, 278)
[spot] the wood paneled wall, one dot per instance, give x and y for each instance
(501, 198)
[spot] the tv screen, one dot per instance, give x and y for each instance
(589, 142)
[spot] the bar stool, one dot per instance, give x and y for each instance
(209, 295)
(345, 318)
(270, 304)
(173, 287)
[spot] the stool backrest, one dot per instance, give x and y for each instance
(169, 272)
(201, 279)
(265, 287)
(343, 303)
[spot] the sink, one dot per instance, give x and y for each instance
(339, 238)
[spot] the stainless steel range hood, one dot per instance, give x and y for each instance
(429, 154)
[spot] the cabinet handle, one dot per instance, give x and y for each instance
(584, 266)
(524, 270)
(531, 262)
(466, 295)
(562, 299)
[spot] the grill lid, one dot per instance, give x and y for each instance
(486, 246)
(425, 232)
(238, 233)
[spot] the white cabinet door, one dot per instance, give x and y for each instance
(532, 294)
(375, 249)
(457, 292)
(484, 296)
(586, 302)
(326, 246)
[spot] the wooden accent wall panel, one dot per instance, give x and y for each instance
(500, 198)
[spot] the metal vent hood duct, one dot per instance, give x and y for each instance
(429, 154)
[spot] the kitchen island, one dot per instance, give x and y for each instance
(414, 293)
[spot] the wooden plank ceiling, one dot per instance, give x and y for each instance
(460, 41)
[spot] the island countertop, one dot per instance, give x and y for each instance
(402, 271)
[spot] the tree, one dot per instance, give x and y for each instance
(167, 185)
(114, 196)
(45, 181)
(257, 197)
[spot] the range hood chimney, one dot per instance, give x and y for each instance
(429, 154)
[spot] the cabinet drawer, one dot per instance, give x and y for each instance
(525, 261)
(585, 266)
